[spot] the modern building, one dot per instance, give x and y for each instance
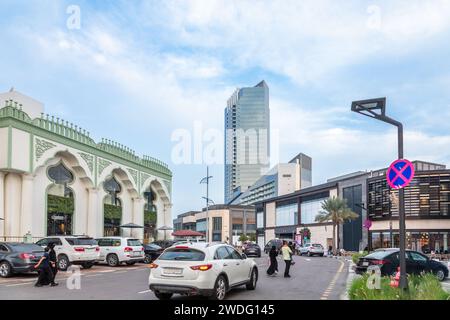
(247, 138)
(56, 180)
(185, 221)
(226, 222)
(282, 179)
(427, 209)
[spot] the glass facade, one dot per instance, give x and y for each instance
(247, 125)
(422, 241)
(201, 225)
(310, 209)
(260, 220)
(286, 215)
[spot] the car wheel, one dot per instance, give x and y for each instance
(440, 275)
(163, 296)
(251, 285)
(220, 289)
(131, 263)
(309, 254)
(87, 265)
(5, 269)
(321, 254)
(63, 262)
(148, 259)
(112, 260)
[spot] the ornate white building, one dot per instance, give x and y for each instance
(56, 180)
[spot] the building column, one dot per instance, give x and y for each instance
(2, 205)
(138, 217)
(92, 217)
(13, 190)
(26, 218)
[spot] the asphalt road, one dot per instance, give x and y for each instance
(314, 278)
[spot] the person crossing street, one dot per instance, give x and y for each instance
(286, 253)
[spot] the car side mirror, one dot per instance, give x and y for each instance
(244, 256)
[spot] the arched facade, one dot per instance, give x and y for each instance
(33, 147)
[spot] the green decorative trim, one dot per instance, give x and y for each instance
(9, 147)
(149, 217)
(59, 131)
(57, 204)
(89, 159)
(112, 212)
(41, 147)
(134, 174)
(102, 165)
(144, 177)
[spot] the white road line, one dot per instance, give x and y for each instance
(145, 291)
(19, 284)
(106, 271)
(308, 259)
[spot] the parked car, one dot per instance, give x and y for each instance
(117, 250)
(78, 250)
(278, 243)
(152, 252)
(164, 243)
(201, 269)
(252, 249)
(314, 249)
(388, 261)
(18, 257)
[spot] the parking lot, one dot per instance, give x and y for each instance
(312, 278)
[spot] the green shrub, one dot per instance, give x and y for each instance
(356, 256)
(423, 287)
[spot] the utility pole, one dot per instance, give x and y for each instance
(206, 180)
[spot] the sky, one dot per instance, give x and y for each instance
(143, 72)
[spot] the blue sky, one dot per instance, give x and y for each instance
(136, 71)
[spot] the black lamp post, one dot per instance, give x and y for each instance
(376, 108)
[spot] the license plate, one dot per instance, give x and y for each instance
(172, 271)
(365, 264)
(137, 254)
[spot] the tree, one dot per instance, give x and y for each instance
(252, 237)
(336, 211)
(243, 237)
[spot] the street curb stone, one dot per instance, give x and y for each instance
(350, 277)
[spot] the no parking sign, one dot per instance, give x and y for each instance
(400, 174)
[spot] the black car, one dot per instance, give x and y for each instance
(164, 243)
(388, 261)
(152, 252)
(252, 249)
(18, 257)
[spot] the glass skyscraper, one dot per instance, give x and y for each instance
(247, 138)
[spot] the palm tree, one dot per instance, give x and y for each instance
(336, 211)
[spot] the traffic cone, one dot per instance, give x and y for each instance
(396, 280)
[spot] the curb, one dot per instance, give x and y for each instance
(350, 277)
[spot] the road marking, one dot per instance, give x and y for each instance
(308, 259)
(19, 284)
(106, 271)
(330, 288)
(93, 275)
(145, 291)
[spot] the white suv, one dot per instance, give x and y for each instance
(115, 250)
(69, 250)
(201, 269)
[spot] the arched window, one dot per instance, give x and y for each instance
(60, 201)
(149, 215)
(112, 208)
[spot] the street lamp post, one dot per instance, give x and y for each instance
(376, 108)
(206, 180)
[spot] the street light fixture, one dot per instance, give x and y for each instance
(376, 108)
(207, 199)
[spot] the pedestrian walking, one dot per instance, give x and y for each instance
(330, 250)
(53, 263)
(45, 272)
(292, 247)
(287, 257)
(273, 268)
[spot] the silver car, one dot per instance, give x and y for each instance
(314, 249)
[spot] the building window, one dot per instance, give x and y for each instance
(60, 202)
(150, 214)
(260, 220)
(112, 208)
(310, 209)
(201, 225)
(286, 215)
(217, 223)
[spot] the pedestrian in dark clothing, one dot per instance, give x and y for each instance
(45, 272)
(273, 253)
(330, 250)
(53, 265)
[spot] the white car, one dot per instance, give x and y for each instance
(69, 250)
(116, 250)
(312, 249)
(208, 269)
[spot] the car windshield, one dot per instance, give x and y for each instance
(153, 246)
(134, 242)
(379, 255)
(317, 245)
(81, 241)
(182, 254)
(24, 247)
